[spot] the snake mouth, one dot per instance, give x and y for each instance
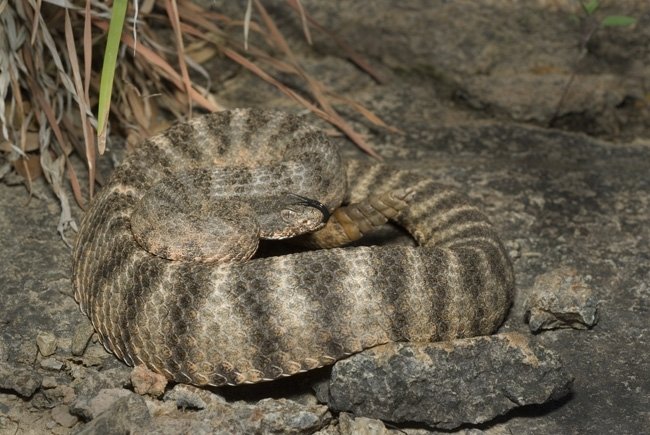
(308, 202)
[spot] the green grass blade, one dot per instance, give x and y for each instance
(108, 69)
(617, 21)
(591, 6)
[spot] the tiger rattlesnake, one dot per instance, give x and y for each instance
(161, 261)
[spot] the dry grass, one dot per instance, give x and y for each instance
(50, 78)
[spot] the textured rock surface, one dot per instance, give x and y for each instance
(20, 379)
(558, 199)
(507, 58)
(145, 381)
(46, 343)
(133, 414)
(266, 416)
(561, 299)
(448, 384)
(128, 414)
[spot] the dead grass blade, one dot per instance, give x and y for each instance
(350, 53)
(334, 119)
(314, 85)
(88, 50)
(164, 67)
(48, 112)
(84, 105)
(247, 21)
(172, 12)
(303, 19)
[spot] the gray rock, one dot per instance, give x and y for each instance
(520, 70)
(561, 299)
(89, 408)
(22, 380)
(46, 342)
(27, 352)
(265, 416)
(447, 384)
(49, 382)
(61, 414)
(126, 415)
(51, 364)
(188, 396)
(88, 382)
(81, 337)
(348, 425)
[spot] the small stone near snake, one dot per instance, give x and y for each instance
(82, 335)
(145, 381)
(51, 364)
(93, 407)
(126, 414)
(46, 342)
(49, 382)
(349, 425)
(561, 299)
(190, 397)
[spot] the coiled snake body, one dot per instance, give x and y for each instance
(161, 262)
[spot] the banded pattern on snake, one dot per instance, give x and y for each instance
(161, 264)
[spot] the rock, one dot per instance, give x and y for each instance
(59, 394)
(447, 384)
(51, 364)
(561, 299)
(95, 355)
(128, 414)
(46, 343)
(348, 425)
(81, 337)
(27, 352)
(88, 382)
(145, 381)
(49, 382)
(188, 396)
(286, 416)
(22, 380)
(265, 416)
(199, 411)
(105, 399)
(322, 390)
(61, 414)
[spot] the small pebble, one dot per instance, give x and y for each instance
(81, 338)
(51, 364)
(561, 298)
(49, 382)
(145, 381)
(46, 342)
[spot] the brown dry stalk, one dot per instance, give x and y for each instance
(151, 76)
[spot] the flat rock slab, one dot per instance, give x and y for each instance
(447, 384)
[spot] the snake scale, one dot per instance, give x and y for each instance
(161, 264)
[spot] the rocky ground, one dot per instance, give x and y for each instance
(474, 87)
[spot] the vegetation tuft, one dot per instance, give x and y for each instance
(69, 72)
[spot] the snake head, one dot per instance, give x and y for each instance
(291, 215)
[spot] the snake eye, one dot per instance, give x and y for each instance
(288, 215)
